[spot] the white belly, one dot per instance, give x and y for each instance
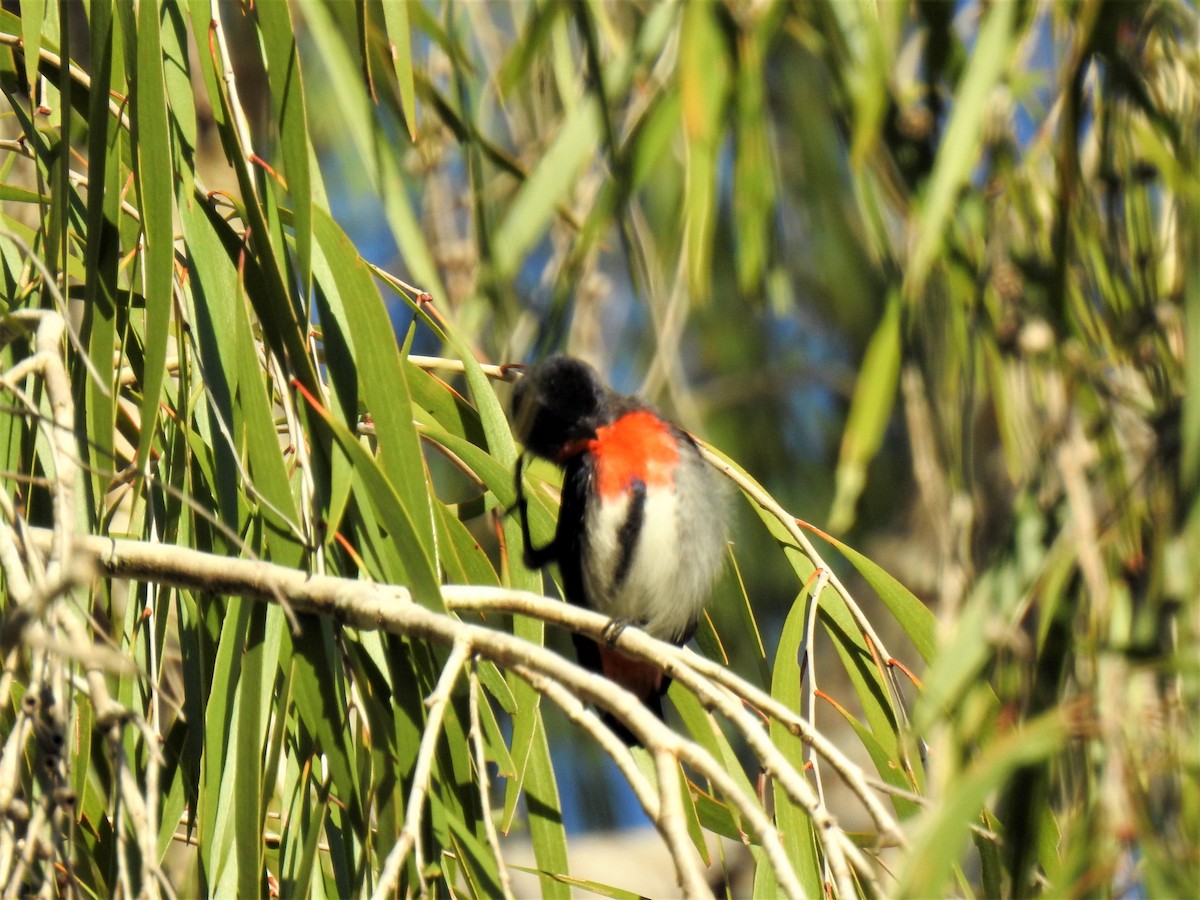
(670, 569)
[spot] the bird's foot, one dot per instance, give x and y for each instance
(613, 629)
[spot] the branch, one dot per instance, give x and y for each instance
(701, 676)
(369, 606)
(674, 827)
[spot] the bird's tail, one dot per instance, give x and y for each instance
(645, 681)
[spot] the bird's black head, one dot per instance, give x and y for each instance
(560, 400)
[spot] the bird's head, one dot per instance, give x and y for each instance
(560, 402)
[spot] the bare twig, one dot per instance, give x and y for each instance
(409, 839)
(444, 364)
(47, 362)
(110, 718)
(809, 672)
(77, 74)
(481, 776)
(652, 733)
(38, 585)
(674, 827)
(701, 676)
(756, 493)
(221, 50)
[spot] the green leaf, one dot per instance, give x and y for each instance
(395, 19)
(592, 887)
(754, 169)
(265, 273)
(33, 14)
(418, 572)
(177, 77)
(372, 147)
(156, 191)
(549, 184)
(473, 855)
(952, 675)
(890, 768)
(106, 143)
(14, 194)
(289, 108)
(215, 294)
(704, 85)
(870, 412)
(463, 560)
(218, 763)
(787, 686)
(959, 150)
(864, 671)
(259, 662)
(545, 814)
(703, 730)
(1190, 420)
(912, 615)
(943, 831)
(307, 810)
(540, 20)
(321, 692)
(366, 359)
(749, 630)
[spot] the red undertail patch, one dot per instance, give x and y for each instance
(639, 678)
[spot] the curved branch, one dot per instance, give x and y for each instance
(369, 606)
(699, 675)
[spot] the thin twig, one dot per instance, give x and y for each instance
(809, 673)
(409, 839)
(792, 524)
(582, 715)
(698, 674)
(653, 734)
(241, 124)
(48, 363)
(50, 284)
(110, 717)
(77, 74)
(445, 364)
(673, 827)
(481, 777)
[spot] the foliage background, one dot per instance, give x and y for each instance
(928, 271)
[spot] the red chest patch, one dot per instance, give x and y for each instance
(639, 445)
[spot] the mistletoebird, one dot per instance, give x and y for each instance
(641, 533)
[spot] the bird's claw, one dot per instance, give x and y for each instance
(614, 628)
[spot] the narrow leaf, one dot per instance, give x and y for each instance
(870, 412)
(959, 149)
(156, 191)
(290, 110)
(395, 20)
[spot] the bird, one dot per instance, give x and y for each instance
(642, 526)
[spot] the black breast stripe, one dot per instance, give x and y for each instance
(630, 530)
